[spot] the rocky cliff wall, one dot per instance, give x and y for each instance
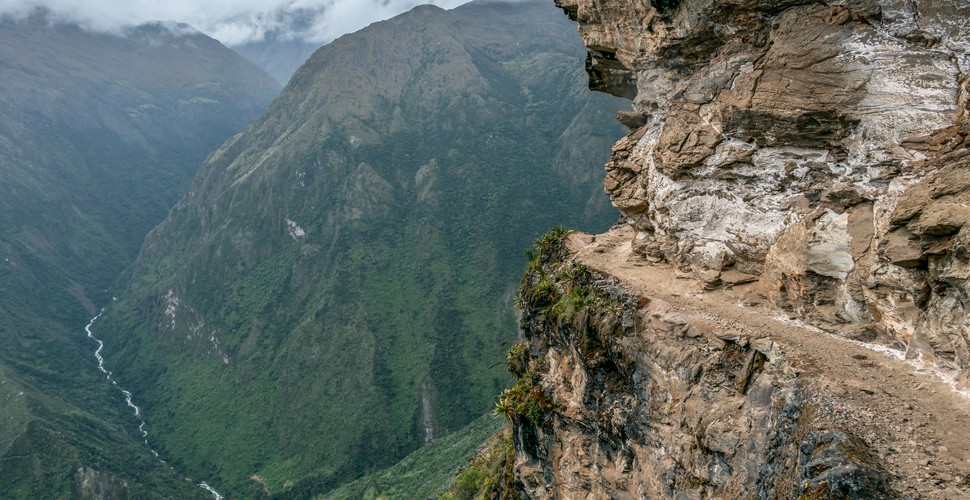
(791, 267)
(817, 147)
(634, 382)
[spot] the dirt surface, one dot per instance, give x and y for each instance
(910, 415)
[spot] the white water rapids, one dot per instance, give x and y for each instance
(131, 404)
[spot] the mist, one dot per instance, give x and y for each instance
(232, 22)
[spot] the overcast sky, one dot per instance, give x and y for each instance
(230, 21)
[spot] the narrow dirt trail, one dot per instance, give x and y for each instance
(910, 415)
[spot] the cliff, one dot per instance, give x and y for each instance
(782, 310)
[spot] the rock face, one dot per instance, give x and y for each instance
(637, 383)
(794, 191)
(820, 149)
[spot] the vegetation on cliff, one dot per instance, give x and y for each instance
(490, 474)
(559, 299)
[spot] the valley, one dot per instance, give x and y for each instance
(212, 287)
(335, 288)
(98, 136)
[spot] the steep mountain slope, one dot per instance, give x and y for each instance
(424, 473)
(122, 120)
(98, 136)
(336, 285)
(783, 313)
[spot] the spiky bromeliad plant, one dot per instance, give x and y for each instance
(525, 402)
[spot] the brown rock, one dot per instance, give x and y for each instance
(631, 120)
(902, 248)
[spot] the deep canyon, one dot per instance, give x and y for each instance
(319, 307)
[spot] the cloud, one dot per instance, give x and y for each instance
(233, 22)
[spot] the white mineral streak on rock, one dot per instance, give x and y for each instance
(820, 152)
(296, 232)
(910, 92)
(214, 341)
(427, 412)
(172, 303)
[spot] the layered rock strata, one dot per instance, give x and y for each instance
(641, 384)
(783, 310)
(819, 148)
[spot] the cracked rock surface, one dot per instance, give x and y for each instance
(714, 394)
(819, 148)
(791, 264)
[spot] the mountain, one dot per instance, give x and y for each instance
(99, 134)
(335, 288)
(783, 311)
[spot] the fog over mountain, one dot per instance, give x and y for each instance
(233, 22)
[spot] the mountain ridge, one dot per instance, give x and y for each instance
(336, 272)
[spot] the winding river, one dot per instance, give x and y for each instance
(128, 400)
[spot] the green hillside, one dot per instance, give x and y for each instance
(335, 288)
(99, 135)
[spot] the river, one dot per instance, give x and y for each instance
(131, 404)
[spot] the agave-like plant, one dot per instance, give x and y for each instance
(517, 358)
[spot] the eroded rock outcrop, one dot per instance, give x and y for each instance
(803, 144)
(783, 309)
(638, 383)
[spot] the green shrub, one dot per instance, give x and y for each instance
(525, 402)
(517, 358)
(488, 475)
